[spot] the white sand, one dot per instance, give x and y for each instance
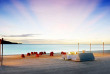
(54, 65)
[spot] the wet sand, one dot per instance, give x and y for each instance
(46, 64)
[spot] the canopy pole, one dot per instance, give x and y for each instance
(90, 47)
(78, 47)
(103, 48)
(0, 51)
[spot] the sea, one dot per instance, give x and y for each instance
(14, 49)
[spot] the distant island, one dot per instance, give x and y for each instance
(9, 42)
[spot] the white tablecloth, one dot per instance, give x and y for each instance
(72, 57)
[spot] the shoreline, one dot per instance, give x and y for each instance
(58, 53)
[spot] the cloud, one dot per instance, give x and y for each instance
(22, 35)
(45, 41)
(67, 15)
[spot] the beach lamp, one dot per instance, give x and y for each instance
(75, 52)
(72, 53)
(83, 51)
(69, 53)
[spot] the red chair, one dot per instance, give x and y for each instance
(37, 55)
(51, 53)
(22, 56)
(62, 52)
(28, 54)
(44, 52)
(32, 53)
(40, 53)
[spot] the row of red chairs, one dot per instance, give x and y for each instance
(32, 53)
(41, 53)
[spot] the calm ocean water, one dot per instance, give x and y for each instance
(11, 49)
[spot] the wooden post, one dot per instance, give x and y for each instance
(2, 53)
(78, 47)
(90, 47)
(0, 50)
(103, 48)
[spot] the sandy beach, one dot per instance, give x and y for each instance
(46, 64)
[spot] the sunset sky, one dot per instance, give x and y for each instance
(55, 21)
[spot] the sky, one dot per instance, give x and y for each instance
(55, 21)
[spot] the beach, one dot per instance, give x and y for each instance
(45, 64)
(54, 37)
